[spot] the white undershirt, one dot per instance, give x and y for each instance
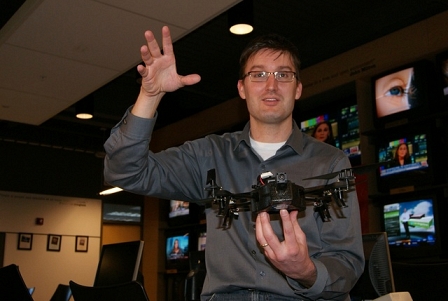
(265, 150)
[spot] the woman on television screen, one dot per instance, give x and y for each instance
(323, 132)
(402, 155)
(176, 251)
(394, 92)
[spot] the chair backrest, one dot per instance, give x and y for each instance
(12, 286)
(119, 263)
(377, 279)
(124, 291)
(62, 293)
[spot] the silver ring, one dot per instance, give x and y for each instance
(265, 245)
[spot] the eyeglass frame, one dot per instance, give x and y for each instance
(269, 74)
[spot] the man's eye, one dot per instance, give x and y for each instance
(395, 91)
(259, 74)
(281, 74)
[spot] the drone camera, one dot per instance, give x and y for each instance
(281, 177)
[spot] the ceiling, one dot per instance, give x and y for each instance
(54, 53)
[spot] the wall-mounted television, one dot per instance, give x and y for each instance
(177, 250)
(181, 213)
(403, 93)
(411, 224)
(345, 127)
(412, 159)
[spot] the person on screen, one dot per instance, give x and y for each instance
(402, 156)
(324, 132)
(176, 251)
(283, 256)
(394, 92)
(404, 219)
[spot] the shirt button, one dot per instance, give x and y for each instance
(262, 274)
(125, 121)
(253, 252)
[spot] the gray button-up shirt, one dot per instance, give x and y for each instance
(234, 260)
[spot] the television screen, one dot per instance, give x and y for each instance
(308, 125)
(408, 153)
(177, 250)
(411, 227)
(411, 160)
(178, 208)
(345, 127)
(402, 93)
(182, 213)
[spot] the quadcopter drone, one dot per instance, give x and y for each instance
(275, 192)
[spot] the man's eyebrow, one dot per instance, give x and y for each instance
(278, 68)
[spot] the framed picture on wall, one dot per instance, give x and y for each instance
(82, 244)
(54, 242)
(25, 241)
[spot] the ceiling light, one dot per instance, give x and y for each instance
(241, 18)
(84, 108)
(110, 191)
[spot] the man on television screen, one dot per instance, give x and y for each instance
(282, 256)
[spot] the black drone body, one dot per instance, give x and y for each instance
(275, 192)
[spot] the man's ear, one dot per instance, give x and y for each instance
(299, 91)
(241, 90)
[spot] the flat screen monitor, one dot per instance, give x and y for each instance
(345, 127)
(119, 263)
(181, 213)
(377, 279)
(411, 226)
(410, 159)
(177, 250)
(403, 93)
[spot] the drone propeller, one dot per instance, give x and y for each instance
(361, 169)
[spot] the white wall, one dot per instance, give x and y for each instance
(65, 216)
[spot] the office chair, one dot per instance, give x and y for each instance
(124, 291)
(12, 286)
(62, 293)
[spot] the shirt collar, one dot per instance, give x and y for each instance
(295, 141)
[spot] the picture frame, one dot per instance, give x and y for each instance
(25, 241)
(82, 244)
(54, 243)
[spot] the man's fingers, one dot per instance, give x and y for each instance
(153, 46)
(167, 43)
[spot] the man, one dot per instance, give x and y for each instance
(405, 217)
(285, 256)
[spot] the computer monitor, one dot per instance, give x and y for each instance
(119, 263)
(377, 279)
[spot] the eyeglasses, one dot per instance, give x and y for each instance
(262, 76)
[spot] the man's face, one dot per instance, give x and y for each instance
(270, 102)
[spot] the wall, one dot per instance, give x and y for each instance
(65, 216)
